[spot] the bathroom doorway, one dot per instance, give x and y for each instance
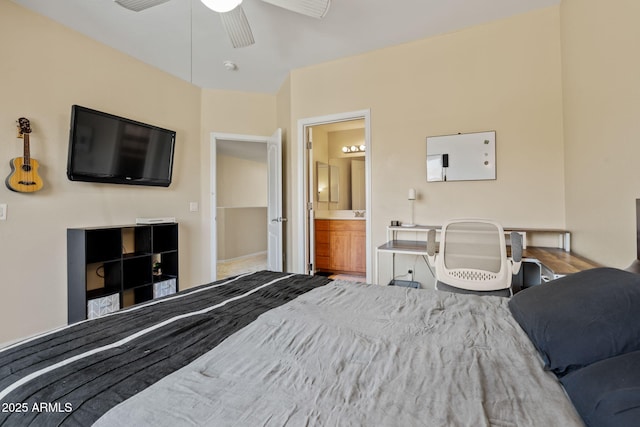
(336, 197)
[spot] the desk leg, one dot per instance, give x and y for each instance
(377, 269)
(393, 266)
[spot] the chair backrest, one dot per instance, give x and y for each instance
(473, 256)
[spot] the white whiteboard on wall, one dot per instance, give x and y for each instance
(462, 157)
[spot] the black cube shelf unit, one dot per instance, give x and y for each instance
(115, 267)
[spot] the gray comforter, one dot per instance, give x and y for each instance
(363, 355)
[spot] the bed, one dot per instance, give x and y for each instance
(275, 349)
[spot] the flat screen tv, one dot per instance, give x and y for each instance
(111, 149)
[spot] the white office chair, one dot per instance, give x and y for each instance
(473, 257)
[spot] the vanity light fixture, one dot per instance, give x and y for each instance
(354, 149)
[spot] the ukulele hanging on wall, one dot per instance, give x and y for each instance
(24, 176)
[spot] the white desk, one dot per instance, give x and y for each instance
(564, 236)
(419, 247)
(406, 247)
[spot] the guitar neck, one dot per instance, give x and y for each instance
(27, 154)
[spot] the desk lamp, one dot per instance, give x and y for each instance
(412, 198)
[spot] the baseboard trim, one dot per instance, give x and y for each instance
(242, 258)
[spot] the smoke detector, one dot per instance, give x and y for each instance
(230, 66)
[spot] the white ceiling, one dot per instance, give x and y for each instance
(186, 39)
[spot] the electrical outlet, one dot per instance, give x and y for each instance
(3, 211)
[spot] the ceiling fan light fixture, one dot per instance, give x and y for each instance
(237, 27)
(139, 5)
(221, 6)
(313, 8)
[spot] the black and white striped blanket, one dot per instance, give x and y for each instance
(73, 375)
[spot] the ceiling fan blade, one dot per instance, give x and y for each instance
(314, 8)
(237, 27)
(138, 5)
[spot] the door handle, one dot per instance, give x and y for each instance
(279, 219)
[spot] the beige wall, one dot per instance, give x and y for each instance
(52, 68)
(504, 76)
(45, 69)
(339, 139)
(241, 113)
(601, 70)
(241, 232)
(236, 182)
(242, 207)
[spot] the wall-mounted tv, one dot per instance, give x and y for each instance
(111, 149)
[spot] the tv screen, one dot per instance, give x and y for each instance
(112, 149)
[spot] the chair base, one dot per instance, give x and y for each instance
(498, 293)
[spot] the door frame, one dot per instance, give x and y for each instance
(214, 138)
(304, 229)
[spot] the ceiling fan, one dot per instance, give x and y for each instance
(233, 18)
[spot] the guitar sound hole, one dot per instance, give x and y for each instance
(26, 168)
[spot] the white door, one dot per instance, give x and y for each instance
(311, 196)
(274, 202)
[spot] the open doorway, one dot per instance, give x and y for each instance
(336, 231)
(242, 207)
(246, 201)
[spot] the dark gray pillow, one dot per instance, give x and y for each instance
(581, 318)
(607, 393)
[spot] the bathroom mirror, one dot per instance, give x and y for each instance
(339, 167)
(341, 174)
(334, 184)
(322, 181)
(327, 182)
